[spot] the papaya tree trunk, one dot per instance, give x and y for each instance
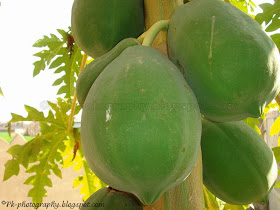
(186, 196)
(189, 194)
(156, 10)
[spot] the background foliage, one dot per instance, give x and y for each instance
(1, 92)
(57, 146)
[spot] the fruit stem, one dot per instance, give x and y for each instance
(152, 33)
(84, 60)
(141, 37)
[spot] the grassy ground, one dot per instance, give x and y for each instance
(5, 136)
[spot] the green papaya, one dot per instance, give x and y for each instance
(141, 124)
(230, 63)
(98, 25)
(238, 166)
(92, 71)
(110, 199)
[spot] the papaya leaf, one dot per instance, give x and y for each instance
(48, 160)
(70, 66)
(62, 55)
(276, 39)
(243, 5)
(275, 128)
(253, 123)
(43, 154)
(1, 92)
(210, 200)
(234, 207)
(277, 185)
(35, 115)
(22, 155)
(53, 45)
(270, 106)
(270, 15)
(89, 182)
(276, 151)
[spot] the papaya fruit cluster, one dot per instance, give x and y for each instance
(145, 116)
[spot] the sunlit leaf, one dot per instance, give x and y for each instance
(244, 5)
(89, 182)
(275, 128)
(234, 207)
(270, 16)
(276, 151)
(269, 107)
(277, 185)
(42, 154)
(58, 55)
(1, 92)
(253, 123)
(210, 200)
(276, 39)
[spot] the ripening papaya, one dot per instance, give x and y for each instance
(111, 199)
(98, 25)
(238, 166)
(227, 59)
(141, 124)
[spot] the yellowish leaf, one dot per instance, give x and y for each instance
(272, 105)
(77, 181)
(234, 207)
(275, 127)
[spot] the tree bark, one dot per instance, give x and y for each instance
(189, 194)
(156, 10)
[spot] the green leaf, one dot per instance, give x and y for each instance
(253, 123)
(234, 207)
(22, 155)
(270, 15)
(276, 151)
(273, 26)
(57, 55)
(243, 5)
(47, 161)
(275, 128)
(42, 154)
(58, 81)
(11, 168)
(50, 42)
(35, 115)
(38, 66)
(276, 39)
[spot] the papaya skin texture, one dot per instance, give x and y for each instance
(112, 200)
(141, 134)
(92, 71)
(98, 25)
(229, 62)
(238, 166)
